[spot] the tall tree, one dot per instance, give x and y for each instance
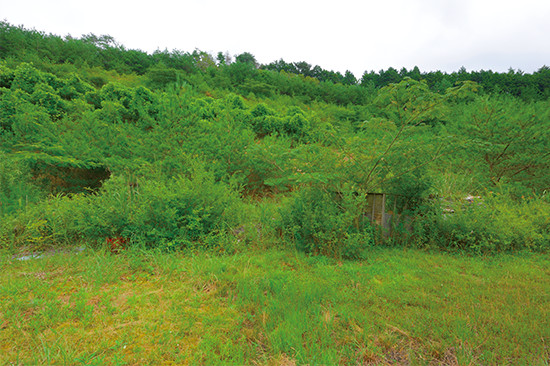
(247, 58)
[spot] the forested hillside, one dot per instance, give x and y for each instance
(176, 149)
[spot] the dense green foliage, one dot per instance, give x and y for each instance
(176, 149)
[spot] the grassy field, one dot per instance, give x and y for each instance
(274, 308)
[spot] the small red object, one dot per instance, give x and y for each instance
(117, 244)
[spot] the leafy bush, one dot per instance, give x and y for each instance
(265, 166)
(26, 77)
(6, 76)
(329, 223)
(296, 123)
(16, 191)
(46, 97)
(488, 225)
(156, 212)
(410, 191)
(266, 121)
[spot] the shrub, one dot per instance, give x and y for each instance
(488, 225)
(329, 223)
(6, 76)
(26, 77)
(156, 212)
(16, 191)
(46, 97)
(267, 165)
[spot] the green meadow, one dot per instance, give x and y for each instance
(275, 307)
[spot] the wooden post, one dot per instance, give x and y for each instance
(373, 207)
(383, 209)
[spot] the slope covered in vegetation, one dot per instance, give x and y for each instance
(179, 150)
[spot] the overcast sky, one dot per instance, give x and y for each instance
(337, 35)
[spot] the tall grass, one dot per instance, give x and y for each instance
(274, 307)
